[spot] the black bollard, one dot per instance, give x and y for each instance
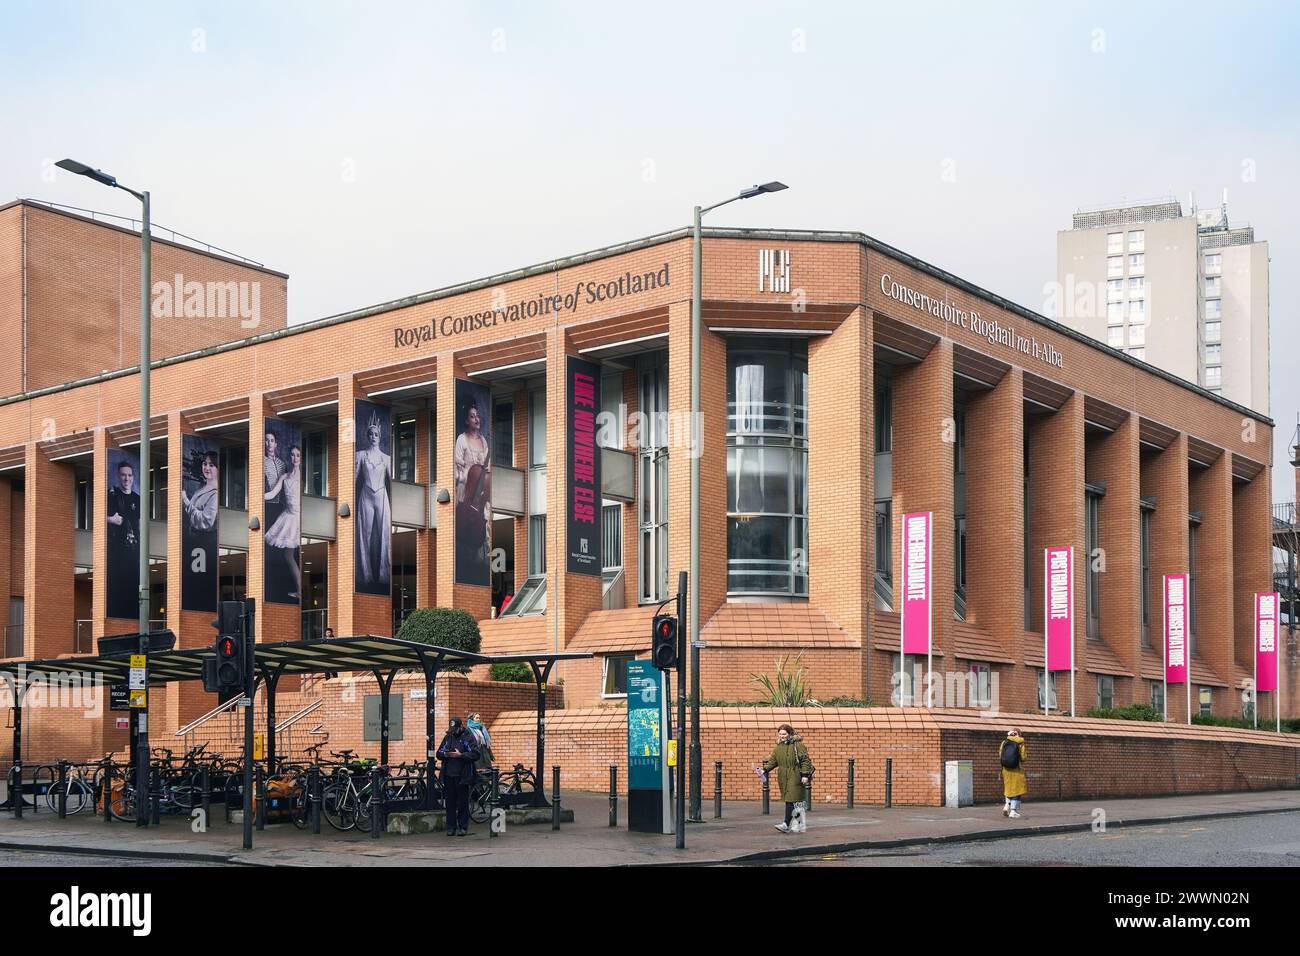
(314, 797)
(717, 789)
(807, 796)
(63, 790)
(852, 763)
(376, 802)
(259, 796)
(889, 781)
(16, 789)
(555, 797)
(205, 798)
(155, 798)
(613, 794)
(106, 783)
(767, 796)
(495, 780)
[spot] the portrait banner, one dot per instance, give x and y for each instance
(200, 508)
(473, 474)
(373, 515)
(282, 482)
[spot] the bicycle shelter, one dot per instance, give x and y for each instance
(384, 657)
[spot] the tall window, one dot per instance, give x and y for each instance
(767, 467)
(503, 432)
(1092, 539)
(1206, 699)
(537, 428)
(233, 477)
(1105, 691)
(404, 446)
(611, 535)
(1158, 696)
(652, 484)
(1192, 530)
(1145, 583)
(884, 419)
(85, 501)
(316, 464)
(1047, 679)
(536, 545)
(884, 542)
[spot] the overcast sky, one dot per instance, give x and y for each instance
(373, 150)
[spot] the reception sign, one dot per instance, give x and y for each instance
(915, 609)
(1176, 629)
(1058, 607)
(1266, 661)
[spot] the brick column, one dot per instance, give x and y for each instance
(1210, 492)
(995, 511)
(1164, 477)
(570, 597)
(711, 433)
(925, 441)
(1056, 468)
(841, 473)
(49, 514)
(1252, 571)
(6, 547)
(1116, 460)
(473, 598)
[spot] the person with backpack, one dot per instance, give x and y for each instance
(794, 770)
(1011, 755)
(484, 740)
(458, 753)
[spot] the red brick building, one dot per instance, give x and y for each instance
(844, 384)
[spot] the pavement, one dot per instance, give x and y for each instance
(743, 835)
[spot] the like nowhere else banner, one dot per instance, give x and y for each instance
(1176, 628)
(915, 608)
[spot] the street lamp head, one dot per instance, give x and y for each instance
(772, 187)
(81, 169)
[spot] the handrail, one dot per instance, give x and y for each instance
(294, 718)
(214, 712)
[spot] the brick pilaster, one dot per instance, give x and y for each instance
(1115, 459)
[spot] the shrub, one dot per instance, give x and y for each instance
(443, 627)
(1290, 725)
(791, 687)
(518, 672)
(1131, 712)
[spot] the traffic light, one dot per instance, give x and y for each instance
(229, 671)
(663, 650)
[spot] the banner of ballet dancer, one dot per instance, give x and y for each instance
(282, 512)
(473, 472)
(200, 479)
(373, 505)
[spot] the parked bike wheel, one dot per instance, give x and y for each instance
(122, 802)
(78, 795)
(339, 805)
(300, 807)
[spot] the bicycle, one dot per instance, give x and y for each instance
(78, 791)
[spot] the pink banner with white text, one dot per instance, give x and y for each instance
(1175, 628)
(1058, 607)
(1266, 607)
(915, 608)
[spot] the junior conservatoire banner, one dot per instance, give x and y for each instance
(122, 515)
(582, 500)
(473, 473)
(282, 505)
(1266, 607)
(1058, 608)
(374, 488)
(915, 608)
(200, 480)
(1175, 628)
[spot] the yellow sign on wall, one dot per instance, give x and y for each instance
(672, 753)
(259, 746)
(139, 698)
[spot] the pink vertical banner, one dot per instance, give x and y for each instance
(915, 608)
(1266, 607)
(1058, 607)
(1176, 628)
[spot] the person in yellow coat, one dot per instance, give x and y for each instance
(1011, 756)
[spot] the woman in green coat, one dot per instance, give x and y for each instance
(1014, 784)
(790, 760)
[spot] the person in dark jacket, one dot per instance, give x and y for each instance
(790, 759)
(458, 753)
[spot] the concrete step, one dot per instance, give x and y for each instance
(435, 821)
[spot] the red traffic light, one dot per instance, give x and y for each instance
(226, 647)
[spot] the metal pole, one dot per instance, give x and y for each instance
(693, 622)
(16, 771)
(679, 814)
(613, 794)
(377, 801)
(851, 776)
(206, 796)
(767, 796)
(717, 789)
(63, 790)
(146, 511)
(249, 687)
(889, 781)
(495, 777)
(314, 783)
(260, 798)
(555, 797)
(108, 792)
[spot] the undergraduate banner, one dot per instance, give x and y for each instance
(1058, 607)
(1175, 591)
(915, 608)
(1266, 606)
(582, 498)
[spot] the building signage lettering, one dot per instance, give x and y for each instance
(773, 270)
(991, 330)
(1176, 628)
(542, 304)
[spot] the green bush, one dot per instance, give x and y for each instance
(519, 672)
(790, 688)
(442, 627)
(1290, 725)
(1131, 712)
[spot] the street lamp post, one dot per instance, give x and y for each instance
(142, 727)
(693, 613)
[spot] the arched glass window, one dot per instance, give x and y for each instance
(767, 466)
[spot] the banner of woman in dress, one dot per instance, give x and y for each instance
(282, 512)
(200, 478)
(473, 473)
(122, 515)
(373, 566)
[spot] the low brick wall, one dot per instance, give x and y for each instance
(1067, 757)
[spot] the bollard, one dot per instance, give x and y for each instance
(205, 798)
(63, 790)
(106, 783)
(16, 789)
(492, 803)
(767, 796)
(889, 781)
(555, 797)
(314, 797)
(808, 797)
(259, 797)
(155, 799)
(613, 794)
(717, 789)
(852, 764)
(376, 801)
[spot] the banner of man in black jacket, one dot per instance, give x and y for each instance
(122, 514)
(200, 508)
